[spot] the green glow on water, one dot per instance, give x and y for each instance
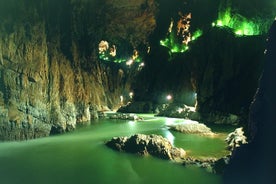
(172, 42)
(82, 157)
(240, 25)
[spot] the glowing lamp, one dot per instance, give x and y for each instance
(239, 32)
(142, 64)
(129, 62)
(121, 98)
(169, 97)
(131, 94)
(219, 23)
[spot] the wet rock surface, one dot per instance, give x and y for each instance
(160, 147)
(192, 127)
(154, 145)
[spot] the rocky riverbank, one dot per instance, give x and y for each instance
(125, 116)
(188, 112)
(176, 110)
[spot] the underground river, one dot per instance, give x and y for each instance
(81, 156)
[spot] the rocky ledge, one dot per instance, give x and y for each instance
(192, 127)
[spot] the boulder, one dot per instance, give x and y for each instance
(154, 145)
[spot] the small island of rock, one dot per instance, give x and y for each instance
(192, 127)
(154, 145)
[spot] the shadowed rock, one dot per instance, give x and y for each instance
(255, 162)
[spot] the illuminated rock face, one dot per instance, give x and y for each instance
(50, 77)
(240, 25)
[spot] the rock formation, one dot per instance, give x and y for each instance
(192, 127)
(160, 147)
(154, 145)
(51, 79)
(235, 139)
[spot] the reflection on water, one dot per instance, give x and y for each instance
(81, 156)
(169, 121)
(169, 136)
(132, 123)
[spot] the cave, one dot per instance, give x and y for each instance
(88, 70)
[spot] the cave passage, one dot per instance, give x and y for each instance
(64, 64)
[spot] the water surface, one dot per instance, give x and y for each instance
(81, 157)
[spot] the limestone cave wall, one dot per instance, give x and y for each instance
(51, 79)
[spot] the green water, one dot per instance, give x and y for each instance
(81, 157)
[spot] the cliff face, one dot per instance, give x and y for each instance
(256, 162)
(50, 75)
(227, 71)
